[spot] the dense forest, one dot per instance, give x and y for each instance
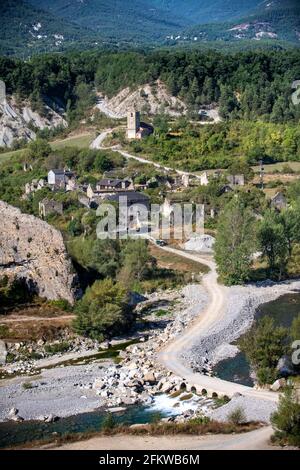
(248, 85)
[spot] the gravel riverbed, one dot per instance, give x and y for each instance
(70, 390)
(239, 312)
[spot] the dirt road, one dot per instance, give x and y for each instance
(254, 440)
(214, 312)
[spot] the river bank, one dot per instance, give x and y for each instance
(240, 305)
(64, 390)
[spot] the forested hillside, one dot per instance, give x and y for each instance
(245, 85)
(26, 30)
(277, 20)
(37, 26)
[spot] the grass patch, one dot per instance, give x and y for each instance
(4, 157)
(161, 313)
(4, 331)
(221, 401)
(79, 141)
(176, 262)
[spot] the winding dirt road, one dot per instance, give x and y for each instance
(98, 144)
(214, 312)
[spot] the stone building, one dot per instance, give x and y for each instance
(61, 179)
(49, 206)
(236, 180)
(34, 186)
(135, 128)
(107, 184)
(278, 201)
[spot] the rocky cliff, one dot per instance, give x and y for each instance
(151, 99)
(17, 121)
(31, 249)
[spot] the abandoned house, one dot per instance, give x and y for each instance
(278, 201)
(49, 206)
(35, 185)
(236, 180)
(62, 179)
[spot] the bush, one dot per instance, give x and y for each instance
(109, 422)
(264, 345)
(237, 416)
(104, 310)
(266, 375)
(286, 420)
(27, 385)
(57, 348)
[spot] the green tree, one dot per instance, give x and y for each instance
(235, 242)
(286, 420)
(264, 344)
(136, 262)
(273, 242)
(39, 148)
(103, 310)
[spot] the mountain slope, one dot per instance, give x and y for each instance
(26, 29)
(273, 20)
(208, 11)
(117, 19)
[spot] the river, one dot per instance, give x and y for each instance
(283, 311)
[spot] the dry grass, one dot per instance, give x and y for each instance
(177, 263)
(191, 428)
(82, 140)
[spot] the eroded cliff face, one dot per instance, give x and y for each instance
(16, 121)
(31, 249)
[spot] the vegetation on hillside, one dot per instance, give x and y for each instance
(249, 85)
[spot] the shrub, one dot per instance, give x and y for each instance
(286, 420)
(109, 422)
(57, 348)
(27, 385)
(103, 310)
(237, 416)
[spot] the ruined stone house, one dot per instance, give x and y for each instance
(49, 206)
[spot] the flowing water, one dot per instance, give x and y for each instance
(28, 431)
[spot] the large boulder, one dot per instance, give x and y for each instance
(278, 385)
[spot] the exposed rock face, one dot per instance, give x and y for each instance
(146, 97)
(16, 121)
(31, 249)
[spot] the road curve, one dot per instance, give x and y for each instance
(98, 144)
(213, 313)
(170, 355)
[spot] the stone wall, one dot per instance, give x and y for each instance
(31, 249)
